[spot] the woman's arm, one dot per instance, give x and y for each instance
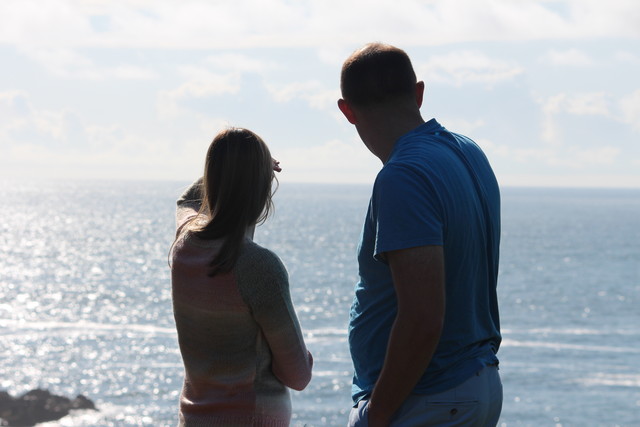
(264, 285)
(189, 203)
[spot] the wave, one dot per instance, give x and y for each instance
(604, 379)
(571, 331)
(10, 327)
(564, 346)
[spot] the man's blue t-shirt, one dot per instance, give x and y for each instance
(436, 188)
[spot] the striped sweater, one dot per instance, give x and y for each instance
(238, 333)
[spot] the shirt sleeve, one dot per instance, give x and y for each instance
(189, 203)
(264, 285)
(406, 210)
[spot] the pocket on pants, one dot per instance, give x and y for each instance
(419, 411)
(451, 412)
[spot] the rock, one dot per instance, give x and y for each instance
(81, 402)
(38, 406)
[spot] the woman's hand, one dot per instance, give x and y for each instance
(276, 166)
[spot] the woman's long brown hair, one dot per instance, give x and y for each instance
(237, 193)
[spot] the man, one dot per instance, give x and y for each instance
(424, 328)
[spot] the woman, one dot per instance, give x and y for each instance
(239, 336)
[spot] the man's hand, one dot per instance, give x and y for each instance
(418, 278)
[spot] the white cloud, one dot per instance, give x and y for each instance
(69, 64)
(43, 23)
(202, 82)
(572, 57)
(627, 57)
(19, 117)
(630, 107)
(62, 61)
(627, 110)
(571, 157)
(258, 23)
(240, 63)
(463, 126)
(545, 155)
(131, 72)
(219, 75)
(493, 149)
(602, 156)
(594, 104)
(464, 67)
(199, 83)
(570, 180)
(596, 18)
(582, 104)
(145, 40)
(577, 158)
(559, 155)
(334, 161)
(14, 104)
(334, 55)
(127, 157)
(311, 91)
(288, 92)
(62, 144)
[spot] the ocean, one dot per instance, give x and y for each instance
(85, 301)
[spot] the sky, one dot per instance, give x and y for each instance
(137, 89)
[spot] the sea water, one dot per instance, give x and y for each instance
(85, 302)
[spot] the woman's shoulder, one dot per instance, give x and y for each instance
(261, 274)
(258, 260)
(257, 254)
(188, 248)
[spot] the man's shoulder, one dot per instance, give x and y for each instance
(393, 173)
(414, 157)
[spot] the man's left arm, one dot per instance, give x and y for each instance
(418, 278)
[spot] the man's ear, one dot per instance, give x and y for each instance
(419, 93)
(347, 111)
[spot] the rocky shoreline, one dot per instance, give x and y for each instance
(38, 406)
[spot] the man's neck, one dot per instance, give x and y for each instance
(381, 131)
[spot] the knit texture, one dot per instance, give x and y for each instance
(239, 336)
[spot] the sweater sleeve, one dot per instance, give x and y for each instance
(189, 203)
(264, 285)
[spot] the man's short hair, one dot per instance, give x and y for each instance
(376, 74)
